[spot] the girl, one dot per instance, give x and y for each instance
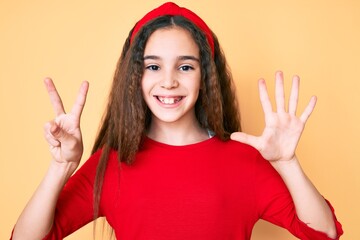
(163, 165)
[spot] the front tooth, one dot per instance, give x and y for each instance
(169, 101)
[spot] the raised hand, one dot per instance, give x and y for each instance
(63, 133)
(283, 128)
(64, 137)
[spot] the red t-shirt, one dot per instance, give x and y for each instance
(203, 191)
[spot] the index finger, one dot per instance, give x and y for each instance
(55, 99)
(80, 100)
(264, 97)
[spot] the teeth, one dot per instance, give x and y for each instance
(167, 100)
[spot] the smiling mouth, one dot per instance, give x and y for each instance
(169, 100)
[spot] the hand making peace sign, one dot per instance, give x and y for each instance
(63, 133)
(282, 128)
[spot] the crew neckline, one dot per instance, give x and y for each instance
(150, 141)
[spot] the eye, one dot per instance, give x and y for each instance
(186, 68)
(153, 67)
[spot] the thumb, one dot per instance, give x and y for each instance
(245, 138)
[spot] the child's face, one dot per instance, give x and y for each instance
(171, 79)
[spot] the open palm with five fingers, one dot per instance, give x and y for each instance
(283, 128)
(63, 133)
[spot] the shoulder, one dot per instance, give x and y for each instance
(237, 148)
(245, 155)
(91, 164)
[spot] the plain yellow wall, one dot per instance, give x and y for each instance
(80, 40)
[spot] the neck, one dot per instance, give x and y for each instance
(175, 133)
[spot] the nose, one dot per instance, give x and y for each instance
(169, 80)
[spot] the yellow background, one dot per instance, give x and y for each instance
(73, 41)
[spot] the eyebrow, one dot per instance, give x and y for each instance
(184, 57)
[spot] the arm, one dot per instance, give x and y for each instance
(65, 140)
(278, 143)
(310, 206)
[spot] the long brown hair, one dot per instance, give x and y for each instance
(127, 116)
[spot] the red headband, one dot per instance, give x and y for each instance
(172, 9)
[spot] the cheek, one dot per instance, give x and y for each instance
(144, 85)
(146, 89)
(147, 80)
(143, 90)
(197, 84)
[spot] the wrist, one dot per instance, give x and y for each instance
(284, 167)
(62, 171)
